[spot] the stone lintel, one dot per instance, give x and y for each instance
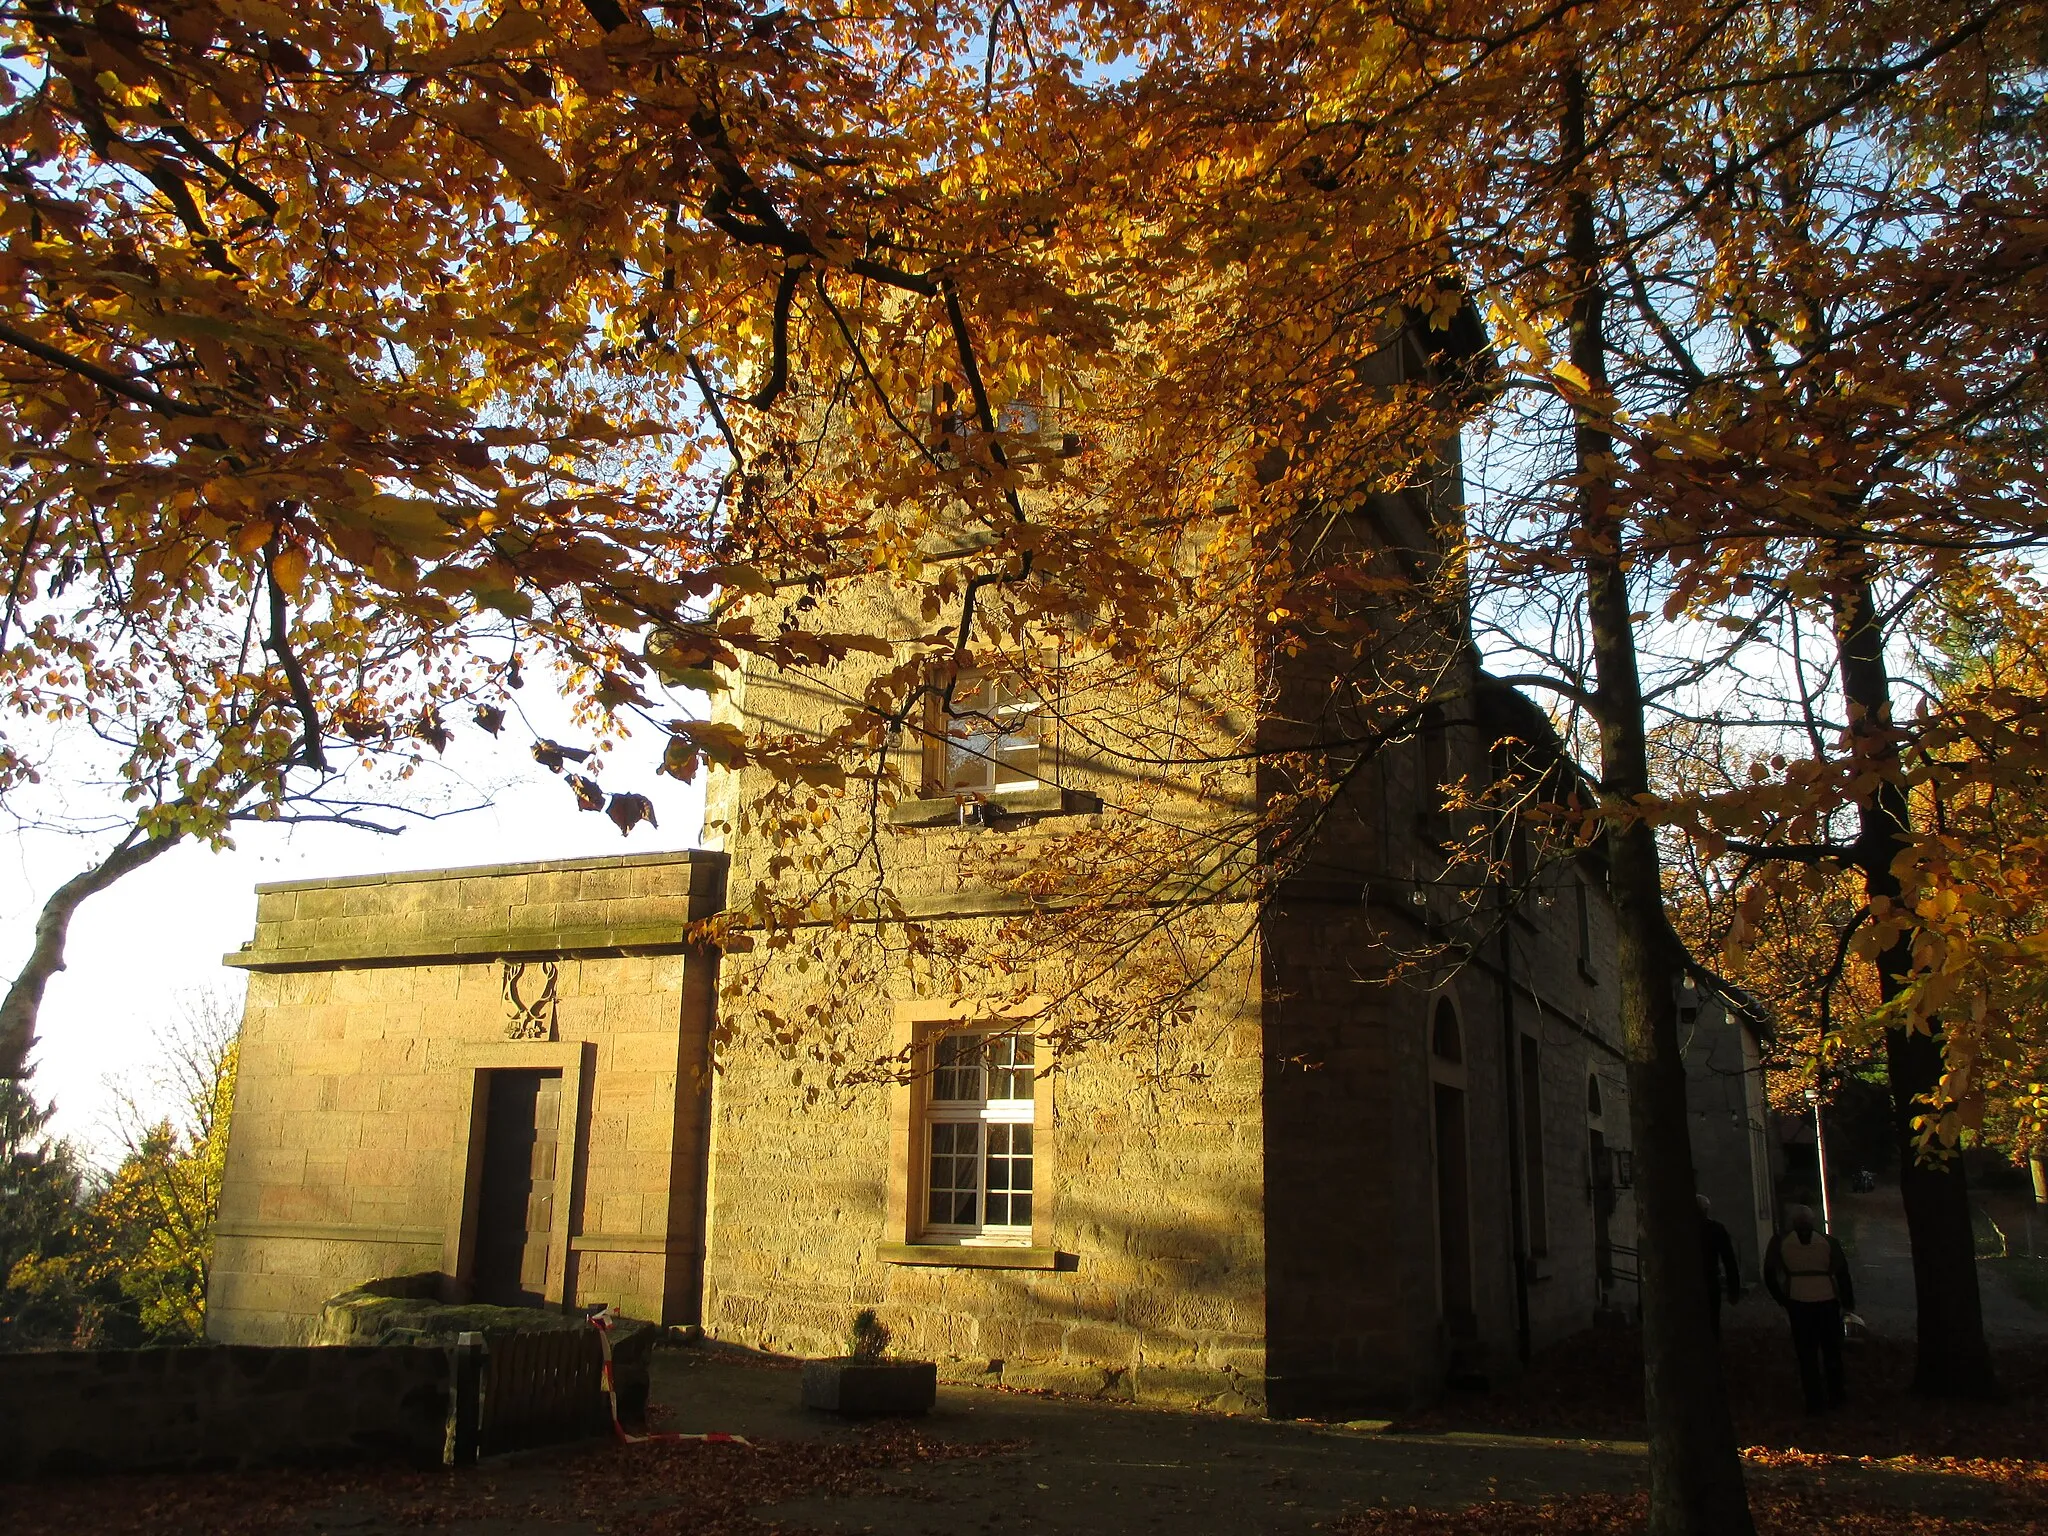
(316, 1232)
(986, 901)
(629, 1242)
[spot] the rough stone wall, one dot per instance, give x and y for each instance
(1155, 1211)
(132, 1410)
(1382, 890)
(371, 1003)
(1332, 1149)
(1572, 1011)
(1353, 1316)
(1154, 1142)
(1341, 1165)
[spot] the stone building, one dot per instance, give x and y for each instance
(1343, 1193)
(1369, 1135)
(493, 1073)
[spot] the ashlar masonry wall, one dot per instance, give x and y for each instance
(376, 1006)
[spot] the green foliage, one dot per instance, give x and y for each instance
(43, 1222)
(869, 1337)
(119, 1260)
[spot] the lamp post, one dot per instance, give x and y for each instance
(1820, 1147)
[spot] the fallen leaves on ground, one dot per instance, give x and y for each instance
(1592, 1387)
(1778, 1513)
(687, 1489)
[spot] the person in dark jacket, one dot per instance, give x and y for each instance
(1717, 1254)
(1808, 1275)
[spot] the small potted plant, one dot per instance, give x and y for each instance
(864, 1381)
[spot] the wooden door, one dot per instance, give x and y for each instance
(515, 1215)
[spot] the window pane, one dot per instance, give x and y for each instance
(1016, 764)
(1009, 1066)
(970, 759)
(955, 1175)
(1009, 1176)
(956, 1069)
(1016, 749)
(992, 741)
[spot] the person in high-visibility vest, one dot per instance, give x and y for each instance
(1807, 1274)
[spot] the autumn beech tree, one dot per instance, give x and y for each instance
(380, 331)
(1829, 424)
(1565, 163)
(160, 737)
(647, 328)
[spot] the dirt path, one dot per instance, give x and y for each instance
(1079, 1469)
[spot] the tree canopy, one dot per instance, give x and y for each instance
(406, 341)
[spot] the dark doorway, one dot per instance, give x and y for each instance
(515, 1207)
(1453, 1219)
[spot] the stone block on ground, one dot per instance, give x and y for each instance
(859, 1386)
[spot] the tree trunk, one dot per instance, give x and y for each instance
(46, 958)
(1952, 1358)
(1696, 1486)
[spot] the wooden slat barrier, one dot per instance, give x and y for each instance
(533, 1389)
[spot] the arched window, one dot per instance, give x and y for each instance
(1444, 1044)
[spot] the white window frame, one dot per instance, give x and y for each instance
(992, 716)
(983, 1114)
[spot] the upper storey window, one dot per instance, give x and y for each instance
(993, 741)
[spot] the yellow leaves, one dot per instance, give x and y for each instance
(1573, 377)
(290, 569)
(694, 742)
(251, 537)
(522, 155)
(514, 29)
(413, 524)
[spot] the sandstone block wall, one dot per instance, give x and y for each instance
(373, 1004)
(1155, 1210)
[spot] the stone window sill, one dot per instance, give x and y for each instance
(976, 1256)
(1048, 800)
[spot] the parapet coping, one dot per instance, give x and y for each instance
(706, 856)
(453, 949)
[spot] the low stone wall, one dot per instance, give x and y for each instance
(402, 1310)
(131, 1410)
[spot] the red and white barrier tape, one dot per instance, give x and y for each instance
(602, 1322)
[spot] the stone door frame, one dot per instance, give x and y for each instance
(573, 1059)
